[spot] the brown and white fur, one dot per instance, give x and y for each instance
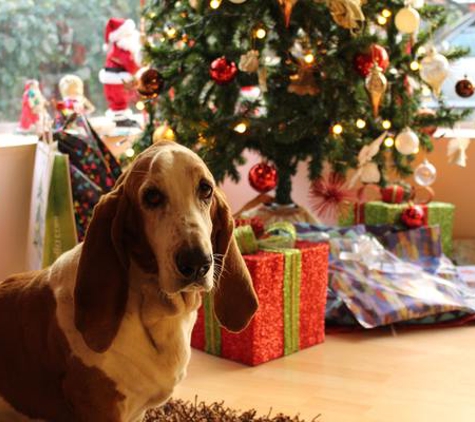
(104, 333)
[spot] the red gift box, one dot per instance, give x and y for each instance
(292, 290)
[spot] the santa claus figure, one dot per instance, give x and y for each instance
(122, 62)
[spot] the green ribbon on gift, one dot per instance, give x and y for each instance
(246, 240)
(280, 235)
(292, 276)
(212, 328)
(281, 238)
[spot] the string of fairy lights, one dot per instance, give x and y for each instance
(406, 19)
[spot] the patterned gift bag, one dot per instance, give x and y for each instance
(94, 170)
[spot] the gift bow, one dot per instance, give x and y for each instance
(347, 13)
(367, 251)
(457, 151)
(280, 235)
(366, 168)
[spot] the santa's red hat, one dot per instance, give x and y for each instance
(118, 28)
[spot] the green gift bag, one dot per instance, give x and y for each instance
(52, 228)
(60, 227)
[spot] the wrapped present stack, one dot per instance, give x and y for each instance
(397, 208)
(290, 279)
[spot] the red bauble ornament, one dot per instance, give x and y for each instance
(363, 62)
(223, 71)
(150, 83)
(263, 177)
(413, 216)
(427, 112)
(464, 88)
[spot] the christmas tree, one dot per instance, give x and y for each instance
(299, 80)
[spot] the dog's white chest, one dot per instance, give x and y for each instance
(156, 362)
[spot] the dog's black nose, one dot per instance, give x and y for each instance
(193, 263)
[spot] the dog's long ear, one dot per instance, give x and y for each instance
(235, 300)
(101, 288)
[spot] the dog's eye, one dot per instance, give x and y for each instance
(205, 190)
(153, 197)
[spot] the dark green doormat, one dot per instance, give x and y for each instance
(180, 411)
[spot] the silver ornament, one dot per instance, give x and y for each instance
(407, 142)
(425, 173)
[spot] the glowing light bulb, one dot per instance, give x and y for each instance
(309, 58)
(240, 127)
(214, 4)
(360, 124)
(416, 151)
(386, 124)
(382, 20)
(386, 13)
(415, 65)
(337, 129)
(171, 32)
(129, 152)
(260, 33)
(140, 106)
(389, 141)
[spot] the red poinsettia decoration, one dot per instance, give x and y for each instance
(330, 196)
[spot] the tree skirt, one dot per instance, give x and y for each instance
(180, 411)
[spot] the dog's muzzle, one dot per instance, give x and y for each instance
(193, 264)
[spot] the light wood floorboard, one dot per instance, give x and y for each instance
(373, 376)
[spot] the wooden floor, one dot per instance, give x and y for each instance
(423, 375)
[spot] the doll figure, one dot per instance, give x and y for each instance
(71, 88)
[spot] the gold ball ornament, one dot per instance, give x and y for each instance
(237, 1)
(407, 142)
(407, 20)
(163, 133)
(434, 70)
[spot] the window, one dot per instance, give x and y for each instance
(46, 39)
(465, 38)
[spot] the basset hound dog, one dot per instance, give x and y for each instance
(104, 333)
